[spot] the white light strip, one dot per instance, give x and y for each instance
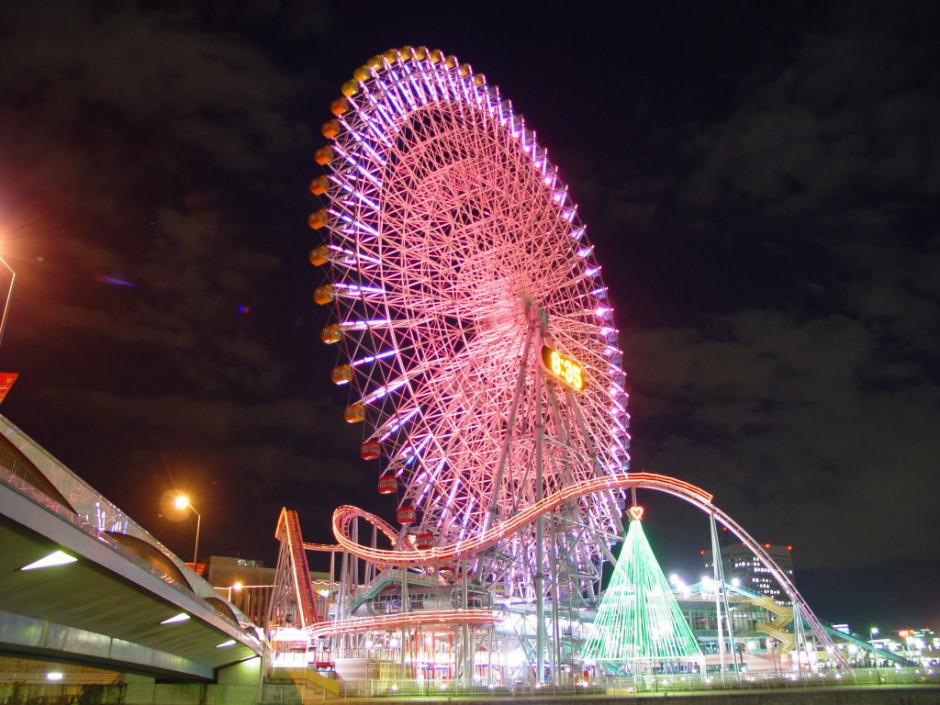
(53, 559)
(176, 618)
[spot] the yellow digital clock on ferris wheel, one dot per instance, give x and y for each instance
(564, 368)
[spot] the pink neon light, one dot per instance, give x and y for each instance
(344, 516)
(407, 619)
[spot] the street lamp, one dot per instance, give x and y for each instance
(182, 502)
(6, 304)
(236, 586)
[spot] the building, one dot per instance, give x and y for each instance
(741, 565)
(249, 585)
(244, 582)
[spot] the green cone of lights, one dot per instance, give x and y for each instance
(639, 623)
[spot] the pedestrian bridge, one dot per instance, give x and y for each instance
(122, 602)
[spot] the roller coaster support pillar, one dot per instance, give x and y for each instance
(539, 537)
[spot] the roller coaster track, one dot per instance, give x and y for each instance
(295, 560)
(388, 622)
(344, 516)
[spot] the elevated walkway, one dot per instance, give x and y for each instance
(786, 639)
(122, 601)
(864, 645)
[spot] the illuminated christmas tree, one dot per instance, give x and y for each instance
(639, 624)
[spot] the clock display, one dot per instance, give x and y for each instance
(564, 368)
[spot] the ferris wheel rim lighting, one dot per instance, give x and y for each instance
(452, 244)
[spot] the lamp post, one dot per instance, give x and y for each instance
(6, 304)
(236, 586)
(182, 502)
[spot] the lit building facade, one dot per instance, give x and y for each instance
(244, 582)
(738, 563)
(249, 585)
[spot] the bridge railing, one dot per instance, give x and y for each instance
(37, 497)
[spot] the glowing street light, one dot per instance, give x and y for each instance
(182, 502)
(9, 297)
(236, 587)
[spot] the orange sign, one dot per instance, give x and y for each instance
(6, 381)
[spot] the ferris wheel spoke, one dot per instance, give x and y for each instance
(449, 230)
(368, 131)
(412, 78)
(460, 433)
(417, 370)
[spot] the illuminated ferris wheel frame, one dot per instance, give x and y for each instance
(466, 296)
(475, 331)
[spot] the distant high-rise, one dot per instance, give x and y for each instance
(739, 563)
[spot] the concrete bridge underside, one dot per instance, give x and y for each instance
(106, 608)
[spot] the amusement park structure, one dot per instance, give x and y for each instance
(476, 339)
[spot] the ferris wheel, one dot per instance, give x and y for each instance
(475, 331)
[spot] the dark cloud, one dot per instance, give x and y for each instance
(129, 125)
(852, 116)
(136, 145)
(821, 402)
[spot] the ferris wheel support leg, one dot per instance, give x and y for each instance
(608, 494)
(556, 530)
(556, 634)
(504, 454)
(539, 536)
(469, 652)
(561, 422)
(717, 576)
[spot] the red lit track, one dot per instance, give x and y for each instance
(390, 622)
(344, 516)
(378, 523)
(288, 533)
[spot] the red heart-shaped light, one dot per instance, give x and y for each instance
(635, 512)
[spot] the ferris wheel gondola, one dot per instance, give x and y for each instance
(476, 332)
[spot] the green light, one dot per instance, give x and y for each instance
(639, 621)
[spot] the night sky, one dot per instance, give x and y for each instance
(761, 181)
